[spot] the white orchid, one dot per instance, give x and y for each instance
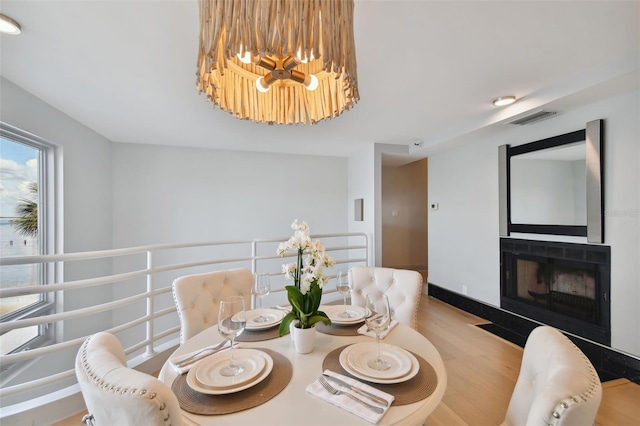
(307, 275)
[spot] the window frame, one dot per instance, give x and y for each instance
(50, 241)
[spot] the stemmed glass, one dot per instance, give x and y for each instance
(378, 318)
(343, 286)
(261, 288)
(231, 323)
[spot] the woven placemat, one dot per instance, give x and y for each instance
(339, 330)
(258, 335)
(415, 389)
(199, 403)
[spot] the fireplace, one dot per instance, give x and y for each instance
(564, 285)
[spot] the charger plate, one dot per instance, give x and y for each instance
(199, 403)
(421, 386)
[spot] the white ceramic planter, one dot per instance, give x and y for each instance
(304, 339)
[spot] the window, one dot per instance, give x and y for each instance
(27, 186)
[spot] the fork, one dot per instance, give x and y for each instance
(214, 349)
(335, 391)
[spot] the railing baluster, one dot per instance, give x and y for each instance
(150, 304)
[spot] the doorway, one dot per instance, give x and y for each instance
(405, 216)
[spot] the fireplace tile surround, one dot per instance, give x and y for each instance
(565, 285)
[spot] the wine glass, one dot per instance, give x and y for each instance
(343, 286)
(231, 323)
(378, 318)
(261, 288)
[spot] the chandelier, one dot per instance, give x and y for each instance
(278, 61)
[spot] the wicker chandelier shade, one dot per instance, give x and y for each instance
(278, 61)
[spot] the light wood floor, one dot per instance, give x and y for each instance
(482, 370)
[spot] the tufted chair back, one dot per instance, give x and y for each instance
(402, 287)
(198, 296)
(557, 384)
(117, 395)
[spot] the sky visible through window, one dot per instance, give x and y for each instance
(18, 167)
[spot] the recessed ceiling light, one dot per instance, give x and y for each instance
(504, 100)
(8, 25)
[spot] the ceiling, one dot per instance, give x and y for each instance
(427, 70)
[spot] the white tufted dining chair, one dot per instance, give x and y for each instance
(403, 288)
(117, 395)
(197, 297)
(557, 384)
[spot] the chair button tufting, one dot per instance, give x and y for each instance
(555, 414)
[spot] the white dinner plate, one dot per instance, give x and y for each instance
(274, 318)
(194, 384)
(358, 354)
(208, 372)
(333, 312)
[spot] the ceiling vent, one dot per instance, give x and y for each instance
(532, 118)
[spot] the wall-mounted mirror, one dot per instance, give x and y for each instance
(553, 186)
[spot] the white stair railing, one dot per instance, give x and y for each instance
(138, 305)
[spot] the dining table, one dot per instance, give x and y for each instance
(290, 403)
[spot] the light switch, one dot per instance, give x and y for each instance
(435, 206)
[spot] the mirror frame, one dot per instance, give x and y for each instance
(594, 230)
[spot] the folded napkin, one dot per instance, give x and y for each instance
(185, 368)
(347, 403)
(365, 330)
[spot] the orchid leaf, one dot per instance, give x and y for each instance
(286, 322)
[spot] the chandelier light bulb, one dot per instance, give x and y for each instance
(262, 85)
(304, 60)
(246, 58)
(311, 82)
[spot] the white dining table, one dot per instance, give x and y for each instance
(293, 405)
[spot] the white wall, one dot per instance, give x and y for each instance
(361, 184)
(463, 233)
(167, 194)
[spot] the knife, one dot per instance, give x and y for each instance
(362, 392)
(196, 357)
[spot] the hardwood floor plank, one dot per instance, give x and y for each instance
(482, 370)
